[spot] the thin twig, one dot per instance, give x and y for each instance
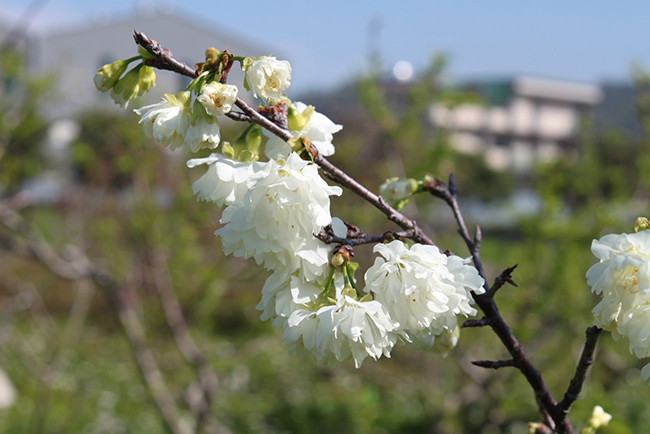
(476, 323)
(492, 364)
(501, 279)
(236, 116)
(586, 360)
(164, 58)
(365, 239)
(548, 404)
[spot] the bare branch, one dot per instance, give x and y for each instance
(476, 323)
(494, 364)
(503, 278)
(548, 404)
(236, 116)
(164, 58)
(586, 360)
(365, 239)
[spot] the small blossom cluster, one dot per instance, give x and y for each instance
(274, 208)
(622, 279)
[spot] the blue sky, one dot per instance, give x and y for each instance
(327, 41)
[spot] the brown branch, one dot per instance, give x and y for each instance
(236, 116)
(491, 364)
(502, 279)
(164, 58)
(476, 323)
(364, 238)
(548, 404)
(586, 360)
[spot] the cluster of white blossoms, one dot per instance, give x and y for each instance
(622, 278)
(423, 289)
(274, 209)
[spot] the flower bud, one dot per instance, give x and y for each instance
(147, 79)
(398, 191)
(108, 75)
(212, 57)
(349, 291)
(338, 260)
(144, 53)
(127, 88)
(599, 418)
(641, 224)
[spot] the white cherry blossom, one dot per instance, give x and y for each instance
(318, 128)
(167, 121)
(276, 221)
(422, 288)
(218, 98)
(268, 78)
(225, 180)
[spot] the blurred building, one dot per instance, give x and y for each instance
(521, 121)
(73, 55)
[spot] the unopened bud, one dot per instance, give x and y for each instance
(641, 224)
(338, 260)
(108, 75)
(144, 53)
(350, 292)
(127, 88)
(599, 418)
(147, 80)
(397, 191)
(342, 255)
(212, 57)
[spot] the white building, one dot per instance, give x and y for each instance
(524, 120)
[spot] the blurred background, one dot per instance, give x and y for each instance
(120, 314)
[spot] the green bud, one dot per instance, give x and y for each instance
(147, 79)
(199, 114)
(338, 260)
(184, 98)
(297, 120)
(108, 75)
(641, 224)
(254, 139)
(228, 150)
(349, 291)
(246, 63)
(397, 192)
(365, 298)
(127, 88)
(212, 57)
(144, 53)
